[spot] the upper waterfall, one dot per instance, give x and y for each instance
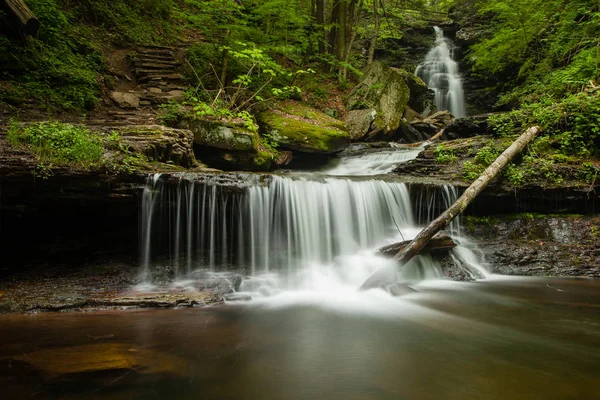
(440, 72)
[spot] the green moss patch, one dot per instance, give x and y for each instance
(302, 128)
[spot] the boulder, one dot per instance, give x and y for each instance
(359, 122)
(160, 143)
(226, 135)
(125, 100)
(467, 127)
(262, 159)
(297, 127)
(422, 99)
(411, 115)
(384, 90)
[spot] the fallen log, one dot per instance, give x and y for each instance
(27, 21)
(438, 244)
(382, 278)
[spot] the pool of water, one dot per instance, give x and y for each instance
(501, 338)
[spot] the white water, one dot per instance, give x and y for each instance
(310, 234)
(377, 163)
(440, 72)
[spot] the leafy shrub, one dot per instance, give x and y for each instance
(58, 143)
(444, 155)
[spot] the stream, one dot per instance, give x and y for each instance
(504, 338)
(304, 243)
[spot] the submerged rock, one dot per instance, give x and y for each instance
(301, 128)
(62, 362)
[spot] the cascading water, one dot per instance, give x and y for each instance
(297, 232)
(440, 72)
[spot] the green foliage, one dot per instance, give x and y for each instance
(503, 124)
(444, 155)
(552, 45)
(57, 143)
(277, 26)
(61, 66)
(259, 80)
(62, 144)
(590, 173)
(486, 156)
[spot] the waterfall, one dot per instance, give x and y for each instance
(440, 72)
(302, 230)
(289, 223)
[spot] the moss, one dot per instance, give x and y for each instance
(302, 128)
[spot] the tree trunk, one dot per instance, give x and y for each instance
(438, 244)
(320, 18)
(340, 38)
(373, 43)
(26, 19)
(408, 252)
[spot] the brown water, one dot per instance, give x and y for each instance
(501, 339)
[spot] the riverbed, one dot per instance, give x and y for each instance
(500, 338)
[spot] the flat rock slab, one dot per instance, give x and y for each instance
(102, 287)
(125, 100)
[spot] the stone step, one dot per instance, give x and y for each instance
(164, 53)
(155, 47)
(152, 58)
(163, 77)
(155, 72)
(155, 66)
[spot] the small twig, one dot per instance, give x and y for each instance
(401, 235)
(557, 289)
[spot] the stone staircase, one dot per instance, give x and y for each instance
(158, 72)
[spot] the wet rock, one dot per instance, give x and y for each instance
(300, 128)
(467, 127)
(62, 362)
(539, 245)
(238, 297)
(261, 160)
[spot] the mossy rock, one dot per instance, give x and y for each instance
(226, 135)
(384, 90)
(262, 159)
(422, 99)
(301, 128)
